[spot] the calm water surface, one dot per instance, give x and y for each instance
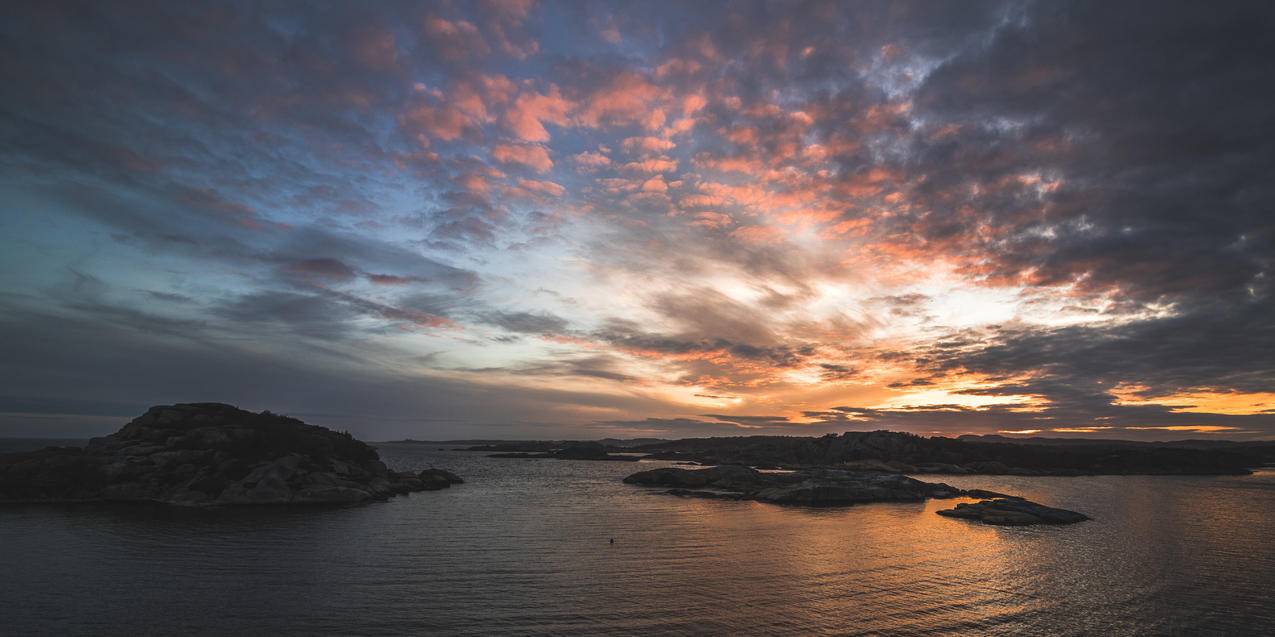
(522, 548)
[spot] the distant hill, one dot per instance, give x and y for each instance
(526, 445)
(987, 454)
(912, 453)
(14, 445)
(1041, 440)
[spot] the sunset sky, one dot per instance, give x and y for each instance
(589, 219)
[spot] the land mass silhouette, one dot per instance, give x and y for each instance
(898, 452)
(210, 454)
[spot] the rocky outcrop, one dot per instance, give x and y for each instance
(837, 487)
(815, 487)
(1012, 511)
(208, 454)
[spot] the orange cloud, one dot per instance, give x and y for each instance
(627, 98)
(759, 235)
(654, 184)
(591, 159)
(654, 165)
(1198, 402)
(648, 145)
(542, 187)
(527, 116)
(710, 219)
(533, 156)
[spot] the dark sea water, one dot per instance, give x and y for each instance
(522, 548)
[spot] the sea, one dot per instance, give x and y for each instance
(563, 547)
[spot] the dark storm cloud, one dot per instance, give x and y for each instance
(1228, 348)
(1156, 127)
(1155, 132)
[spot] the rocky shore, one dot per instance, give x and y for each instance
(211, 454)
(823, 487)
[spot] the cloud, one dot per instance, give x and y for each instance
(454, 39)
(591, 159)
(527, 322)
(960, 217)
(530, 111)
(533, 156)
(542, 187)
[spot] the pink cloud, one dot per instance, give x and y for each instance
(648, 145)
(653, 165)
(627, 98)
(542, 187)
(654, 184)
(680, 126)
(434, 121)
(591, 159)
(678, 66)
(455, 40)
(533, 156)
(759, 235)
(692, 103)
(528, 114)
(460, 110)
(710, 219)
(703, 201)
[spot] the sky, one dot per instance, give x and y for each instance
(590, 219)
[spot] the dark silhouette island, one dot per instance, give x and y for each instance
(210, 454)
(826, 487)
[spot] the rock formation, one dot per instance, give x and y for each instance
(1012, 511)
(815, 487)
(836, 487)
(206, 454)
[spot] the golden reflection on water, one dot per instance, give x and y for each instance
(880, 550)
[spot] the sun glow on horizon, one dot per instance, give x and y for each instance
(1233, 403)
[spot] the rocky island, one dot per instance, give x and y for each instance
(210, 454)
(1012, 511)
(822, 487)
